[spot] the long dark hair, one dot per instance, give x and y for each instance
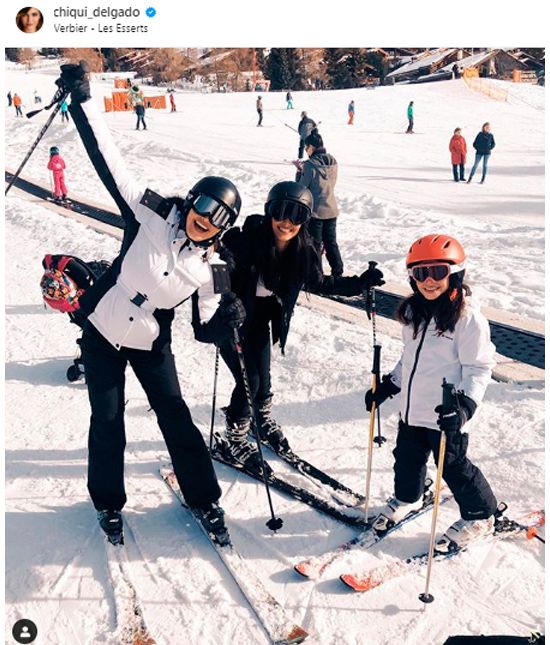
(280, 271)
(445, 310)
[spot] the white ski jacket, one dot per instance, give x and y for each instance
(160, 267)
(464, 358)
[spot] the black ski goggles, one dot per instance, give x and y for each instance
(295, 212)
(437, 272)
(218, 214)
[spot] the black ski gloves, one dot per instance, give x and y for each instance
(74, 79)
(370, 278)
(454, 418)
(385, 390)
(232, 310)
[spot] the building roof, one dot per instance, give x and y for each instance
(424, 61)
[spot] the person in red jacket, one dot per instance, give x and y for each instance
(457, 146)
(57, 166)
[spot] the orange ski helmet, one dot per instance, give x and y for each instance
(434, 248)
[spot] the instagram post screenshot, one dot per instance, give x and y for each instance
(274, 324)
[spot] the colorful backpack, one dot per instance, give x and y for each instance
(65, 280)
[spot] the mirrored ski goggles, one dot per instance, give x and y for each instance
(281, 209)
(437, 272)
(218, 214)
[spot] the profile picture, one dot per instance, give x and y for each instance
(29, 20)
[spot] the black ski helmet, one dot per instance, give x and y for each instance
(54, 150)
(286, 194)
(221, 190)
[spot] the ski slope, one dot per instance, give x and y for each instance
(392, 188)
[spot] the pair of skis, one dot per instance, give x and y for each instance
(504, 528)
(320, 491)
(131, 626)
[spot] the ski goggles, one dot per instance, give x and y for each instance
(422, 272)
(281, 209)
(218, 214)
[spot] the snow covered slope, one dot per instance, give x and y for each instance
(56, 567)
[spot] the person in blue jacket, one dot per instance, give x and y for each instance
(483, 144)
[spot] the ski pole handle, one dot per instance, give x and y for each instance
(376, 363)
(449, 395)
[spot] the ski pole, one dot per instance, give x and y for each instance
(449, 396)
(60, 95)
(375, 369)
(370, 304)
(216, 368)
(289, 126)
(274, 523)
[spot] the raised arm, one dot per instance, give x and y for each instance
(98, 142)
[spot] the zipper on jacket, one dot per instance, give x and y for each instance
(415, 364)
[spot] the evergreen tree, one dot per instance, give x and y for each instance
(283, 69)
(12, 53)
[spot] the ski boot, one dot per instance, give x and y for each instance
(270, 431)
(211, 517)
(395, 511)
(460, 534)
(238, 447)
(111, 523)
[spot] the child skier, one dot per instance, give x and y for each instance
(445, 335)
(57, 166)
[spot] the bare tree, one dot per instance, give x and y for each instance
(90, 55)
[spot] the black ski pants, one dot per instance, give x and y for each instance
(156, 371)
(260, 116)
(256, 344)
(323, 232)
(467, 483)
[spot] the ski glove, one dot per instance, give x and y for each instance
(232, 310)
(371, 278)
(74, 79)
(385, 390)
(453, 419)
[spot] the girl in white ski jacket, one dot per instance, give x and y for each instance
(445, 336)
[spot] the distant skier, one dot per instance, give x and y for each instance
(319, 174)
(289, 105)
(37, 97)
(483, 144)
(172, 102)
(64, 109)
(445, 335)
(351, 112)
(17, 103)
(140, 113)
(9, 99)
(259, 110)
(410, 117)
(305, 128)
(57, 166)
(273, 258)
(168, 245)
(457, 147)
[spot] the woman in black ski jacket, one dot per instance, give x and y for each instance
(483, 144)
(166, 257)
(274, 258)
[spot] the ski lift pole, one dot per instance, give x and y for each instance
(449, 397)
(275, 523)
(59, 97)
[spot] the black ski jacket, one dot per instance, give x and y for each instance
(484, 143)
(241, 249)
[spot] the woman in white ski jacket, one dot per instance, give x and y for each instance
(445, 335)
(166, 257)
